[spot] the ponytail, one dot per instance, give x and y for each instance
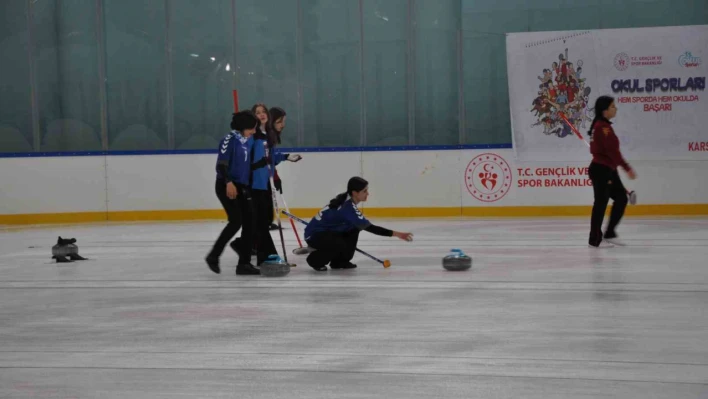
(337, 201)
(602, 104)
(354, 184)
(592, 126)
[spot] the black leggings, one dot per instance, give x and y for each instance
(606, 184)
(263, 204)
(332, 248)
(240, 214)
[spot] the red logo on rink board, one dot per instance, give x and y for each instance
(488, 177)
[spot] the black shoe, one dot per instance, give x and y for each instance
(346, 265)
(319, 268)
(273, 226)
(247, 269)
(213, 264)
(610, 235)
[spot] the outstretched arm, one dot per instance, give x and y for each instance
(355, 216)
(380, 231)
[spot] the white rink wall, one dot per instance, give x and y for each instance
(424, 180)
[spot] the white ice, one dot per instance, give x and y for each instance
(540, 315)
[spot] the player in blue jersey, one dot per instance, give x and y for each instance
(334, 231)
(264, 161)
(233, 173)
(278, 116)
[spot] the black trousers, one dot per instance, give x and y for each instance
(606, 184)
(332, 247)
(240, 214)
(263, 205)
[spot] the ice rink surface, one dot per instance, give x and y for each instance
(539, 315)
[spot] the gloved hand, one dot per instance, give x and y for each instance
(278, 185)
(294, 157)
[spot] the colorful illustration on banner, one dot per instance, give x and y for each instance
(562, 92)
(656, 75)
(488, 177)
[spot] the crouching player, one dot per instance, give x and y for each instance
(334, 231)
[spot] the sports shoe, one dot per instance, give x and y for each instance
(603, 244)
(213, 264)
(319, 268)
(611, 237)
(615, 241)
(345, 265)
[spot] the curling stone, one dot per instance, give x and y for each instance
(456, 261)
(66, 248)
(274, 266)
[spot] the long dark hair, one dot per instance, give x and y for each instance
(602, 104)
(275, 114)
(355, 184)
(268, 126)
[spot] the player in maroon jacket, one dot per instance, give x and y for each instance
(606, 183)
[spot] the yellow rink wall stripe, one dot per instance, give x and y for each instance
(207, 214)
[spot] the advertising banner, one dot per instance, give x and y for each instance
(656, 75)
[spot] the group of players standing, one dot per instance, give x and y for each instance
(245, 168)
(245, 179)
(246, 176)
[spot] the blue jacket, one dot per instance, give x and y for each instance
(260, 155)
(233, 161)
(346, 218)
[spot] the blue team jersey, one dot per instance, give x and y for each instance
(261, 176)
(234, 152)
(343, 219)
